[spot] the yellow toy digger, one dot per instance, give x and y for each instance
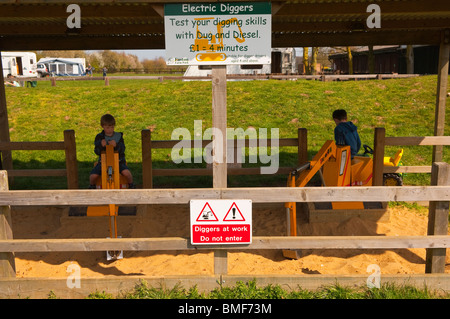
(110, 179)
(336, 168)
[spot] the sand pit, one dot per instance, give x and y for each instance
(173, 221)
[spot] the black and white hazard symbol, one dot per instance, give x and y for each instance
(207, 214)
(234, 214)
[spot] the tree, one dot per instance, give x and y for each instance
(305, 60)
(322, 56)
(348, 51)
(409, 59)
(315, 52)
(350, 60)
(95, 59)
(61, 54)
(153, 65)
(111, 60)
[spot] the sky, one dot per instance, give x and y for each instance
(146, 54)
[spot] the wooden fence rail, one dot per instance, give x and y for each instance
(256, 194)
(68, 146)
(320, 77)
(258, 242)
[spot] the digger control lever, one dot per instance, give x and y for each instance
(301, 168)
(110, 172)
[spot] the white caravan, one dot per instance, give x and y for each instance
(19, 64)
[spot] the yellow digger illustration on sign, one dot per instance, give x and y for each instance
(209, 45)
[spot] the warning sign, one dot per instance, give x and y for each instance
(221, 222)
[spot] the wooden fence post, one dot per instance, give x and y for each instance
(70, 149)
(441, 94)
(53, 80)
(438, 219)
(4, 125)
(302, 152)
(219, 120)
(7, 262)
(378, 156)
(220, 262)
(147, 176)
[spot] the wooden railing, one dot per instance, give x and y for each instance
(323, 77)
(148, 171)
(68, 146)
(436, 242)
(71, 170)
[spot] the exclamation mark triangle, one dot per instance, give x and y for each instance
(207, 214)
(234, 214)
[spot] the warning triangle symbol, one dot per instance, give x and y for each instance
(207, 214)
(234, 214)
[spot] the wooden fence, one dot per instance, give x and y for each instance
(148, 171)
(436, 242)
(325, 78)
(68, 146)
(380, 141)
(438, 194)
(301, 142)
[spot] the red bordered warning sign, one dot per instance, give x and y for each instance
(234, 214)
(207, 214)
(220, 221)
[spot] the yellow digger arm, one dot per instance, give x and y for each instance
(302, 175)
(306, 173)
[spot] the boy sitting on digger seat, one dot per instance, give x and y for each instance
(109, 137)
(346, 133)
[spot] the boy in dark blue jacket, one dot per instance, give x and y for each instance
(109, 137)
(346, 133)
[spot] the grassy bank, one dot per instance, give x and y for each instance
(250, 290)
(405, 107)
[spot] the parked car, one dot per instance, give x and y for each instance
(42, 70)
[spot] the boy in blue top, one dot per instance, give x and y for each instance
(109, 137)
(346, 133)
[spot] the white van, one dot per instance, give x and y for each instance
(19, 64)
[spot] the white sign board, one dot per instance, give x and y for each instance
(221, 221)
(218, 33)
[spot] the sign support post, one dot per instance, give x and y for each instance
(219, 122)
(217, 35)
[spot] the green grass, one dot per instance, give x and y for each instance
(250, 290)
(405, 107)
(110, 75)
